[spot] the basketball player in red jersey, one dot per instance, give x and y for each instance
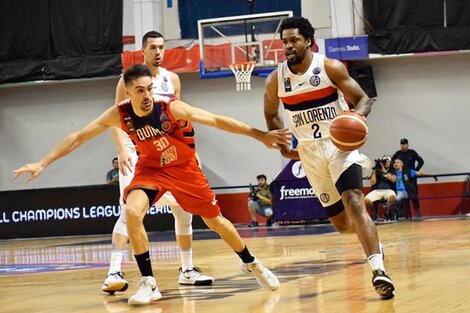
(311, 88)
(165, 164)
(165, 84)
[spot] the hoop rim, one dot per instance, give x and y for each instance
(243, 63)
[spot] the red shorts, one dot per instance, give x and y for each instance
(185, 181)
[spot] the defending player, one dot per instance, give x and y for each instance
(166, 163)
(165, 84)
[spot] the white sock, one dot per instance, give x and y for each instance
(115, 262)
(186, 259)
(376, 262)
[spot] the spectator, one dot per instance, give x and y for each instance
(112, 177)
(260, 202)
(404, 185)
(411, 161)
(382, 182)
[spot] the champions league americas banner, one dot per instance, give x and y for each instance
(294, 199)
(84, 210)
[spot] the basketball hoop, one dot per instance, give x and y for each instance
(242, 72)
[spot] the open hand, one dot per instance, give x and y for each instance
(125, 163)
(35, 169)
(276, 138)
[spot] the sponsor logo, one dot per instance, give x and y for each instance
(287, 84)
(315, 81)
(296, 193)
(164, 86)
(316, 70)
(163, 117)
(298, 170)
(301, 84)
(168, 156)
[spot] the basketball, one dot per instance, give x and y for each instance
(348, 131)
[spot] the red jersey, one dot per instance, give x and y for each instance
(160, 141)
(167, 159)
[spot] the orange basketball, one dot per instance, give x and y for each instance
(348, 131)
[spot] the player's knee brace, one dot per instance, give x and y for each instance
(183, 221)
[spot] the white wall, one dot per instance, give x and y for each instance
(424, 99)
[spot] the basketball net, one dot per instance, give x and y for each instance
(242, 72)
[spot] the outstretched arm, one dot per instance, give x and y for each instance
(182, 110)
(109, 118)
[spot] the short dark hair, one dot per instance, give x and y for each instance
(301, 23)
(150, 34)
(134, 72)
(115, 159)
(261, 176)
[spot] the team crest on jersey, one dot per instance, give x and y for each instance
(166, 126)
(168, 156)
(164, 86)
(315, 80)
(324, 197)
(316, 70)
(287, 84)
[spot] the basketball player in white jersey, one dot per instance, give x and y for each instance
(165, 84)
(311, 88)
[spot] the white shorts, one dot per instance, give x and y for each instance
(380, 195)
(324, 163)
(124, 181)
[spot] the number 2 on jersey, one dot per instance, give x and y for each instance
(316, 131)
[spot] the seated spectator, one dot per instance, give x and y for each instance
(382, 182)
(260, 202)
(112, 177)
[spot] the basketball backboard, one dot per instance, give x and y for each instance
(227, 40)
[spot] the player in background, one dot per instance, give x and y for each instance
(165, 84)
(311, 88)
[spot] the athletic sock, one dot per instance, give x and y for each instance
(245, 255)
(186, 259)
(376, 262)
(115, 262)
(144, 263)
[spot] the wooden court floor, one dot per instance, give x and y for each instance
(429, 262)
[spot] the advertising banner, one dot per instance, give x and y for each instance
(294, 199)
(347, 48)
(84, 210)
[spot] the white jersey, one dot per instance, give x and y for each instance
(162, 87)
(310, 100)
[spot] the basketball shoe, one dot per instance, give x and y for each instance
(114, 282)
(193, 276)
(383, 285)
(147, 292)
(264, 277)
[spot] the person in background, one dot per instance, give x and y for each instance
(411, 161)
(382, 182)
(260, 201)
(112, 176)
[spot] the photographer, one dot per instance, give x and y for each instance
(382, 182)
(260, 202)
